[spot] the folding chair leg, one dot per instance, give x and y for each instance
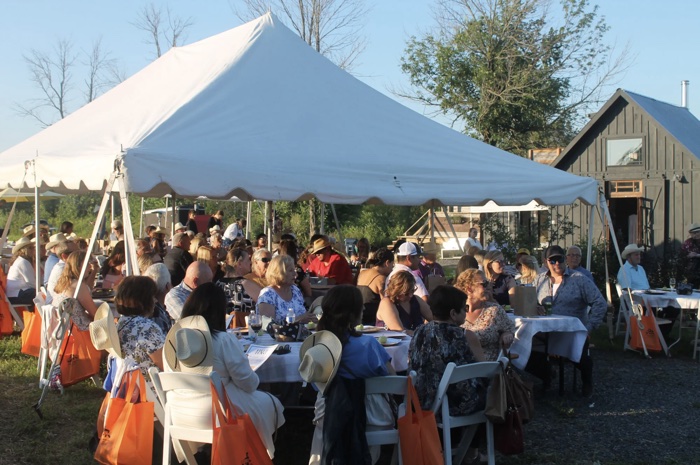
(490, 449)
(16, 317)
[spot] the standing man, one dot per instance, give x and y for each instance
(573, 261)
(407, 260)
(472, 240)
(191, 224)
(570, 293)
(178, 258)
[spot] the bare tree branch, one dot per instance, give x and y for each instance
(162, 27)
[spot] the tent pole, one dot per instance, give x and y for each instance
(172, 219)
(268, 223)
(129, 244)
(141, 219)
(323, 216)
(454, 233)
(589, 251)
(337, 226)
(248, 216)
(165, 221)
(6, 230)
(431, 223)
(37, 229)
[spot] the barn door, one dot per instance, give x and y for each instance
(645, 221)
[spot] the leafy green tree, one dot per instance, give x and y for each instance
(516, 73)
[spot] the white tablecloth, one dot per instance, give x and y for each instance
(566, 336)
(285, 368)
(671, 299)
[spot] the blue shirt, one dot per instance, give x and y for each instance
(51, 261)
(363, 357)
(583, 271)
(636, 277)
(175, 299)
(574, 295)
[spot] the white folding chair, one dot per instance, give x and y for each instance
(456, 374)
(639, 306)
(392, 385)
(623, 314)
(182, 435)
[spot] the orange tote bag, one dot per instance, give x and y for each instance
(647, 332)
(80, 359)
(127, 438)
(235, 439)
(6, 324)
(31, 334)
(418, 433)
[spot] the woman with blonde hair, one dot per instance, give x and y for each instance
(84, 308)
(529, 269)
(485, 318)
(399, 309)
(208, 255)
(198, 241)
(260, 262)
(282, 294)
(502, 284)
(21, 279)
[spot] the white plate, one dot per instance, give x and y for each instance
(391, 342)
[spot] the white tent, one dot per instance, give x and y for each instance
(255, 112)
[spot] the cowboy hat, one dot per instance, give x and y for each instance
(22, 243)
(103, 331)
(55, 240)
(179, 226)
(695, 227)
(72, 237)
(631, 248)
(320, 358)
(28, 230)
(214, 229)
(430, 248)
(523, 250)
(320, 244)
(188, 346)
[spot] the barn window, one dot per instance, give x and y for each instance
(624, 152)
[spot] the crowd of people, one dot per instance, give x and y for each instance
(200, 278)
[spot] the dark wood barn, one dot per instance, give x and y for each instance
(646, 155)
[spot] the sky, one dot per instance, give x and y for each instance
(663, 43)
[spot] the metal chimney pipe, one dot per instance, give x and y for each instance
(684, 93)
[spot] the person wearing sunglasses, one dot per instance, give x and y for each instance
(484, 317)
(570, 293)
(502, 283)
(260, 262)
(329, 264)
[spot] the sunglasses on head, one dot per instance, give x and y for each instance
(265, 260)
(556, 259)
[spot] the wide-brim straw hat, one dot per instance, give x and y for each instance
(320, 244)
(214, 229)
(55, 240)
(103, 331)
(631, 248)
(28, 230)
(160, 230)
(22, 243)
(179, 225)
(188, 346)
(320, 358)
(430, 248)
(695, 227)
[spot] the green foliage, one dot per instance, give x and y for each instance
(516, 74)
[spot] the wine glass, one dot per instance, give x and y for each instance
(254, 325)
(672, 284)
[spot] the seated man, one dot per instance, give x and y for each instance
(407, 260)
(573, 261)
(178, 258)
(197, 273)
(632, 276)
(329, 263)
(571, 293)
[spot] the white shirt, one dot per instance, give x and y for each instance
(474, 243)
(20, 276)
(637, 277)
(232, 231)
(56, 273)
(420, 290)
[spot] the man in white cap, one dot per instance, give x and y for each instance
(52, 258)
(407, 259)
(197, 273)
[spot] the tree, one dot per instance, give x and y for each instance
(52, 72)
(162, 27)
(516, 74)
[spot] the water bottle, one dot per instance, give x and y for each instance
(290, 316)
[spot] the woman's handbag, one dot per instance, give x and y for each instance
(235, 441)
(496, 399)
(80, 360)
(127, 438)
(418, 433)
(31, 334)
(521, 393)
(508, 436)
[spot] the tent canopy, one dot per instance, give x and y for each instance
(256, 113)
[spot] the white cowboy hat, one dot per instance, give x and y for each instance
(179, 226)
(55, 240)
(214, 229)
(320, 358)
(631, 248)
(695, 227)
(22, 243)
(188, 346)
(103, 331)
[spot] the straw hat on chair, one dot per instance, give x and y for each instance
(103, 331)
(320, 358)
(188, 346)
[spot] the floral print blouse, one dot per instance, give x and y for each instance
(269, 296)
(434, 345)
(140, 337)
(488, 327)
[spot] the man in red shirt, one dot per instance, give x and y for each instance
(329, 263)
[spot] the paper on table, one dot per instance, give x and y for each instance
(258, 354)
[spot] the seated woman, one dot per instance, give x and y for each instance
(502, 284)
(84, 309)
(529, 268)
(111, 270)
(440, 342)
(466, 262)
(361, 357)
(258, 270)
(485, 318)
(289, 247)
(21, 277)
(208, 255)
(260, 242)
(400, 310)
(208, 301)
(282, 294)
(376, 271)
(139, 336)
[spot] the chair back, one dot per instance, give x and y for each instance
(391, 385)
(455, 374)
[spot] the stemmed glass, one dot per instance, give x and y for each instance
(672, 284)
(254, 325)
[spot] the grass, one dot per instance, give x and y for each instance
(69, 420)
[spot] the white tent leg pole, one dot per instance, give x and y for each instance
(431, 222)
(454, 233)
(132, 268)
(6, 230)
(141, 219)
(337, 226)
(165, 221)
(248, 216)
(322, 218)
(111, 201)
(589, 251)
(172, 219)
(604, 205)
(37, 229)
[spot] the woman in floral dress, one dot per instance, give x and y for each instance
(485, 318)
